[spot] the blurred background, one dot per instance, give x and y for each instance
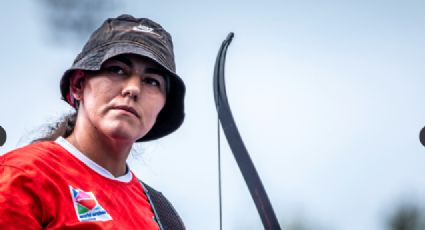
(328, 97)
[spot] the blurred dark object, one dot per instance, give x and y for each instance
(74, 20)
(2, 136)
(407, 216)
(422, 136)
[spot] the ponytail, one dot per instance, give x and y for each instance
(63, 128)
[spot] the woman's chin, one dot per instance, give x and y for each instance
(124, 134)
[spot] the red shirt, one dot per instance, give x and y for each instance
(51, 185)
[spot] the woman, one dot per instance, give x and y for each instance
(124, 89)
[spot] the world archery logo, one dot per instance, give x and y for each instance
(86, 206)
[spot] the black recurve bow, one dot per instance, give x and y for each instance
(236, 144)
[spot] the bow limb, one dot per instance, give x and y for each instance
(247, 168)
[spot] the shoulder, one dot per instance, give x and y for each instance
(31, 155)
(23, 169)
(24, 191)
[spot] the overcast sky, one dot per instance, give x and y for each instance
(328, 96)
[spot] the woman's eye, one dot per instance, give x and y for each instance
(116, 70)
(151, 81)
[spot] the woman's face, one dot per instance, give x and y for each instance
(123, 99)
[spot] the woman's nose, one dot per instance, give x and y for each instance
(132, 87)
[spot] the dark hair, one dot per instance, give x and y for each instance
(62, 128)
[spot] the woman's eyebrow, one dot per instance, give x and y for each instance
(155, 70)
(150, 70)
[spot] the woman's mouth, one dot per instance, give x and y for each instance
(127, 109)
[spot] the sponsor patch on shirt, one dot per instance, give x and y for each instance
(87, 207)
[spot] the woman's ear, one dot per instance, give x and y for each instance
(76, 86)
